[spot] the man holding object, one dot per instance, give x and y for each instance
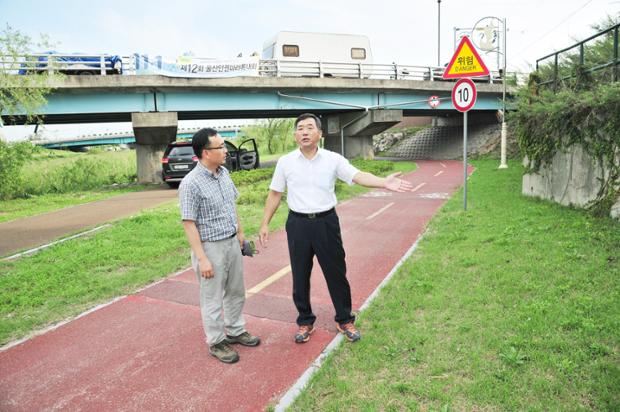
(207, 197)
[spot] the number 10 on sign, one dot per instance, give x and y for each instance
(464, 95)
(463, 99)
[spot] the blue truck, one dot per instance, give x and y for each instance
(72, 63)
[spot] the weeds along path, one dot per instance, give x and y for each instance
(33, 231)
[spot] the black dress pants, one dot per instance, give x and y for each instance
(320, 237)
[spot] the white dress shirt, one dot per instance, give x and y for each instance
(311, 182)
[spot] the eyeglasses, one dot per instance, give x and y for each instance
(222, 147)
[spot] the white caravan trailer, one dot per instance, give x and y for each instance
(308, 49)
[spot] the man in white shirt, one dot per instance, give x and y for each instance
(312, 227)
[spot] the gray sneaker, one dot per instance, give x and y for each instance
(224, 352)
(245, 339)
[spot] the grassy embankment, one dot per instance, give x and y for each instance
(71, 277)
(54, 179)
(513, 305)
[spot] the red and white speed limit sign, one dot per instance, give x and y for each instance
(464, 95)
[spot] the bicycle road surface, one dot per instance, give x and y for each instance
(146, 351)
(33, 231)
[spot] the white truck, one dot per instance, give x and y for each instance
(318, 54)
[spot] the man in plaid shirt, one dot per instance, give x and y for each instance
(207, 196)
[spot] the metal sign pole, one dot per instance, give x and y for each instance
(464, 160)
(502, 163)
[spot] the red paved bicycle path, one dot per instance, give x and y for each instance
(147, 352)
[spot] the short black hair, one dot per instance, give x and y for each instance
(201, 139)
(309, 116)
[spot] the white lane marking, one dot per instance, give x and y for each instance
(377, 194)
(438, 173)
(418, 186)
(443, 165)
(435, 195)
(262, 285)
(383, 209)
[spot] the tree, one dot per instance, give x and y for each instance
(20, 94)
(576, 71)
(277, 134)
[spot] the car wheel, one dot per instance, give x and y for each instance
(173, 185)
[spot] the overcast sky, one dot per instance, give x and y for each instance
(402, 31)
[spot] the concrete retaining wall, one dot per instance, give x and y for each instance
(572, 178)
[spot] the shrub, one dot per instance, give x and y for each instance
(12, 158)
(52, 173)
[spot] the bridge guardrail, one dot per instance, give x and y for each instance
(74, 63)
(104, 64)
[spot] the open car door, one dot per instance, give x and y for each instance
(247, 155)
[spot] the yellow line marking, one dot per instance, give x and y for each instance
(438, 173)
(271, 279)
(418, 186)
(384, 208)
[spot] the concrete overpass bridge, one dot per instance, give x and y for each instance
(353, 110)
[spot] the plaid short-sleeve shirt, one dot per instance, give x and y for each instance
(209, 200)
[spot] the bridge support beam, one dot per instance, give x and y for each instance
(153, 132)
(473, 118)
(358, 129)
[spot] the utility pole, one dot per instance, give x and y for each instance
(438, 33)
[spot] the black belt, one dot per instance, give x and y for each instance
(312, 215)
(224, 238)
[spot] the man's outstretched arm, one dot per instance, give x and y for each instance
(391, 182)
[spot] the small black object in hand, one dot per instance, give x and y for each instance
(248, 249)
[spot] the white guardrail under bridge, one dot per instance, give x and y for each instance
(83, 64)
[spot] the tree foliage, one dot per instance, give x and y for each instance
(275, 134)
(20, 94)
(583, 66)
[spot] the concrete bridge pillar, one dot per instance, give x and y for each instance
(473, 118)
(153, 132)
(359, 128)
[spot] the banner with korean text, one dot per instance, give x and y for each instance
(188, 66)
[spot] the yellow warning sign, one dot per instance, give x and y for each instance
(466, 62)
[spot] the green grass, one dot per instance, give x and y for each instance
(66, 279)
(53, 171)
(267, 157)
(513, 305)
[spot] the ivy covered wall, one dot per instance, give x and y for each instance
(553, 130)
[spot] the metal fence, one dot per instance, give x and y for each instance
(394, 71)
(596, 54)
(82, 64)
